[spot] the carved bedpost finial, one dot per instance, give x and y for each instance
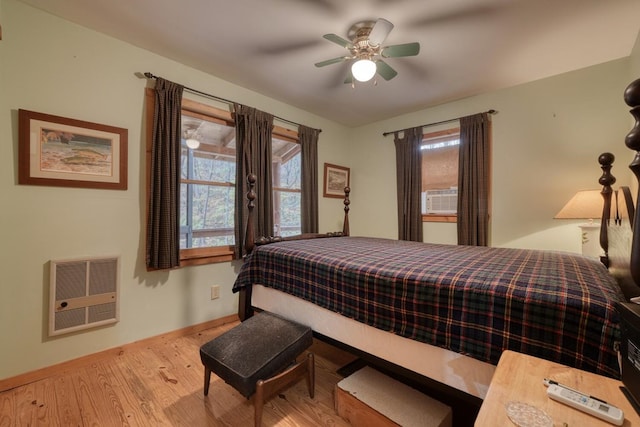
(347, 202)
(632, 140)
(606, 180)
(251, 193)
(606, 161)
(251, 197)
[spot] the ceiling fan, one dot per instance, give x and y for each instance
(365, 46)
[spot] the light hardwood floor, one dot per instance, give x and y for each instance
(162, 384)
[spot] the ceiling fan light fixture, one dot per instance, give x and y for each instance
(363, 70)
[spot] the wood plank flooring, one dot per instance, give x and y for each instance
(162, 384)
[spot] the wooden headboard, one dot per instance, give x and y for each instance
(620, 228)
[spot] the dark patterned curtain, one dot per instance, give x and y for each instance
(253, 155)
(409, 182)
(163, 232)
(309, 184)
(473, 180)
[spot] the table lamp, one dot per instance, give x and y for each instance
(586, 204)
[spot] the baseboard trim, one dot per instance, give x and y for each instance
(40, 374)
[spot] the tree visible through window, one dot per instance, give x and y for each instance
(208, 173)
(287, 174)
(207, 181)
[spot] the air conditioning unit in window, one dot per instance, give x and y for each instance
(442, 202)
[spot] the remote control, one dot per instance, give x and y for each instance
(585, 403)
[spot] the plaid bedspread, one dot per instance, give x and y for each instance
(477, 301)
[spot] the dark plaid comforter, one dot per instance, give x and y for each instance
(477, 301)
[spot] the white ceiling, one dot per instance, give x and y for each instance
(269, 46)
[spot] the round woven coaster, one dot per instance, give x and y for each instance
(525, 415)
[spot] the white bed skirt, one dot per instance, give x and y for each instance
(458, 371)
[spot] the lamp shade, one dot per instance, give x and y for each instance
(363, 70)
(585, 204)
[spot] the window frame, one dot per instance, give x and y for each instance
(212, 254)
(447, 218)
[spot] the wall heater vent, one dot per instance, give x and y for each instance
(83, 294)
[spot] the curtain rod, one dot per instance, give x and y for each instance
(217, 98)
(437, 123)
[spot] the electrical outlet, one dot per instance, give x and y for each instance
(215, 292)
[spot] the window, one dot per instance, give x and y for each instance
(287, 161)
(440, 175)
(207, 184)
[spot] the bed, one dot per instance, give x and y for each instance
(445, 313)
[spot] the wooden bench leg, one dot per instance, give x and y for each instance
(258, 403)
(266, 388)
(311, 375)
(207, 380)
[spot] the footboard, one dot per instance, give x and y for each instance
(244, 304)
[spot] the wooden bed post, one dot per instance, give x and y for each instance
(347, 202)
(606, 180)
(249, 237)
(632, 141)
(244, 304)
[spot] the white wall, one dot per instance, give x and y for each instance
(52, 66)
(547, 136)
(635, 60)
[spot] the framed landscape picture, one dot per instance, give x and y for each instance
(336, 178)
(64, 152)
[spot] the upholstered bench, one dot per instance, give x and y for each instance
(258, 357)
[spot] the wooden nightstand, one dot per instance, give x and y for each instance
(518, 377)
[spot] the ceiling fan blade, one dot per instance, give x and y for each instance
(380, 31)
(477, 12)
(326, 5)
(385, 70)
(338, 40)
(287, 47)
(398, 50)
(349, 79)
(331, 61)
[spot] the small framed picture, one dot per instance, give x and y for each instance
(336, 178)
(64, 152)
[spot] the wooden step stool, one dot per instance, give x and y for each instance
(369, 398)
(259, 356)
